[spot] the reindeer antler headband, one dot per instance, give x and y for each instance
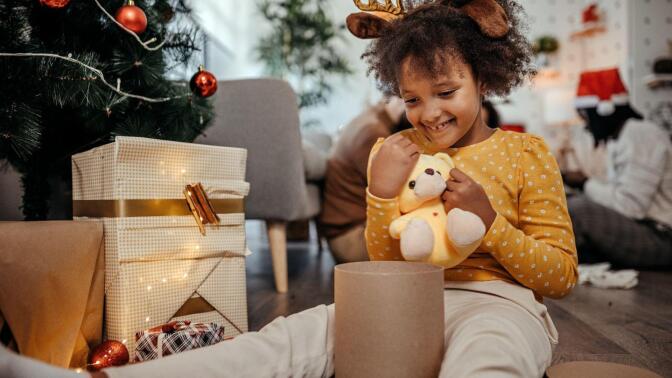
(374, 18)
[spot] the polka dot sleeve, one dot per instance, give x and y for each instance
(380, 212)
(540, 253)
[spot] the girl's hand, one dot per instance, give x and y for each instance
(464, 193)
(391, 166)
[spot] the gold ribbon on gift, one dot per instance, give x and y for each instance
(200, 207)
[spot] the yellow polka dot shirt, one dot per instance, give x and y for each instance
(531, 241)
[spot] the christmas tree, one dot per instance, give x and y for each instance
(73, 77)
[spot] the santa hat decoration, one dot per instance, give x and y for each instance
(601, 89)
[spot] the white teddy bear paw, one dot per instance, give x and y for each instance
(417, 240)
(464, 227)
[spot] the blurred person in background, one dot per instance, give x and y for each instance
(626, 218)
(344, 205)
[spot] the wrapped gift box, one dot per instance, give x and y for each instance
(176, 337)
(159, 266)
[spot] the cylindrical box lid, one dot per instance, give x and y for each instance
(389, 319)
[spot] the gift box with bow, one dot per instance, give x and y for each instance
(175, 337)
(174, 232)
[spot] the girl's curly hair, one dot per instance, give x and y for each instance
(429, 33)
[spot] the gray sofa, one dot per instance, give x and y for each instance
(262, 116)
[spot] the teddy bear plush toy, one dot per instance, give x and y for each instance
(425, 231)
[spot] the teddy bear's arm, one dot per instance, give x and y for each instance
(398, 225)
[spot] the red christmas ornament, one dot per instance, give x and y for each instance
(54, 4)
(109, 353)
(132, 17)
(203, 83)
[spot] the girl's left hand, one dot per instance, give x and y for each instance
(464, 193)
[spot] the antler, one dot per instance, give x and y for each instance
(388, 7)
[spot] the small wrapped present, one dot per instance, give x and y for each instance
(175, 337)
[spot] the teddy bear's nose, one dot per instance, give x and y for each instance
(429, 171)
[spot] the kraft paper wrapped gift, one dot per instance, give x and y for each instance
(159, 267)
(51, 288)
(389, 319)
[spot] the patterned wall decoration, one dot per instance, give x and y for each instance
(650, 31)
(636, 32)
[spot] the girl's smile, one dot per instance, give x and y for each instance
(446, 109)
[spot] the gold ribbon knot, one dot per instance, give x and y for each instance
(200, 206)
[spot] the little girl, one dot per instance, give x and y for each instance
(442, 59)
(442, 62)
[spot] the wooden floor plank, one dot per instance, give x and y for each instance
(634, 321)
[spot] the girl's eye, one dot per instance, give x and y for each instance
(447, 93)
(411, 101)
(411, 184)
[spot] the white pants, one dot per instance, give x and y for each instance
(492, 329)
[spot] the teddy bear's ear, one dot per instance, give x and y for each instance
(445, 157)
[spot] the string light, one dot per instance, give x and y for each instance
(98, 73)
(145, 44)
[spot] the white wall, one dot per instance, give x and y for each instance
(651, 29)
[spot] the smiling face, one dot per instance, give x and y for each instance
(445, 108)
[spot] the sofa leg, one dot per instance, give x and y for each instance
(277, 238)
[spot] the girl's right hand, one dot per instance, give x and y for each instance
(391, 166)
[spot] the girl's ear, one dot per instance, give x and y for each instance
(488, 14)
(367, 25)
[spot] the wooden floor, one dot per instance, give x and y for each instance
(632, 327)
